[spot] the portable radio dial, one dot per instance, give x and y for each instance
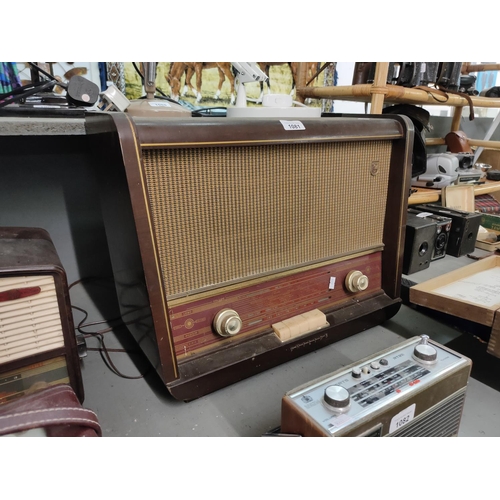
(337, 398)
(227, 322)
(356, 281)
(424, 351)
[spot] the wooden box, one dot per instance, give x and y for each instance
(471, 293)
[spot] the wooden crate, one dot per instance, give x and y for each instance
(471, 293)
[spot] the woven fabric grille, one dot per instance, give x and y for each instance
(222, 214)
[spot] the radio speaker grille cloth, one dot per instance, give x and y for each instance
(29, 325)
(223, 213)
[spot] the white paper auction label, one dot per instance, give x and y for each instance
(402, 418)
(292, 125)
(160, 104)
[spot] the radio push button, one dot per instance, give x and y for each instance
(337, 398)
(356, 281)
(424, 352)
(356, 373)
(227, 322)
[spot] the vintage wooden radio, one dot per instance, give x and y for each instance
(37, 338)
(251, 241)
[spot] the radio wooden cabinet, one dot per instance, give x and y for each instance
(247, 243)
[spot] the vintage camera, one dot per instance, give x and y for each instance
(467, 173)
(464, 228)
(443, 228)
(420, 241)
(441, 171)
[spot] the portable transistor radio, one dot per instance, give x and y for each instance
(414, 389)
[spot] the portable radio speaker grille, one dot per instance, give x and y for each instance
(249, 243)
(30, 324)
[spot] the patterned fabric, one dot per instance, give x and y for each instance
(9, 77)
(487, 204)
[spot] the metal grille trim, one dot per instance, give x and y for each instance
(443, 420)
(222, 214)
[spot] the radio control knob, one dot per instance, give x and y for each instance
(337, 397)
(424, 351)
(227, 322)
(356, 373)
(356, 281)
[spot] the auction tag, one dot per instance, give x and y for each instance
(331, 286)
(292, 125)
(160, 104)
(423, 214)
(402, 418)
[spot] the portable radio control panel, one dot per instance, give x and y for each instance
(348, 395)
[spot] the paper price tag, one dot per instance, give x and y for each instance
(331, 286)
(402, 418)
(292, 125)
(160, 104)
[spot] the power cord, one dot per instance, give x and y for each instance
(99, 335)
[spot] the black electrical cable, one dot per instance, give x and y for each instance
(103, 350)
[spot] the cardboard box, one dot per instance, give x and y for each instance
(471, 293)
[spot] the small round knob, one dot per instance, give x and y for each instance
(356, 281)
(337, 397)
(356, 373)
(424, 351)
(227, 322)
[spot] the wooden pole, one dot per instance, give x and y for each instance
(379, 88)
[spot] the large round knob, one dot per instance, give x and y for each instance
(424, 351)
(337, 398)
(356, 281)
(227, 322)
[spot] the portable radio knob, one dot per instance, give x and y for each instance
(227, 322)
(337, 398)
(424, 351)
(356, 281)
